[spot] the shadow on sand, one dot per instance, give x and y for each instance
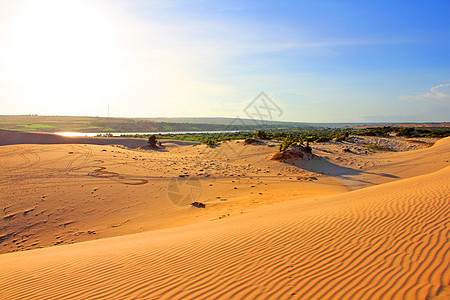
(323, 166)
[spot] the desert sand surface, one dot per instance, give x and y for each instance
(353, 223)
(11, 137)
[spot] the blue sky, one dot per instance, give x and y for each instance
(320, 61)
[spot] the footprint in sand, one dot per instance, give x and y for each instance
(102, 173)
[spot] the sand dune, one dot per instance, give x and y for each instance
(383, 242)
(368, 226)
(11, 137)
(388, 241)
(65, 193)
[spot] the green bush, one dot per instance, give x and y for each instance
(210, 142)
(322, 139)
(261, 134)
(286, 144)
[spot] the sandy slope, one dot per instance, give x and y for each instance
(56, 194)
(383, 242)
(11, 137)
(60, 194)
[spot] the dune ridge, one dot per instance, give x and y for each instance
(383, 242)
(11, 137)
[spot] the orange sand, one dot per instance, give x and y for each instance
(386, 239)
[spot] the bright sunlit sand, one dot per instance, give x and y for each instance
(224, 149)
(267, 231)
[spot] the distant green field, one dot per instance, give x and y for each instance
(106, 125)
(36, 127)
(289, 132)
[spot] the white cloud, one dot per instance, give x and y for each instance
(437, 93)
(433, 105)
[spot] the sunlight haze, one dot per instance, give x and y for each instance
(320, 61)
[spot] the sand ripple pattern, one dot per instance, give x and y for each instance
(385, 242)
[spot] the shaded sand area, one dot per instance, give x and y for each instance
(359, 225)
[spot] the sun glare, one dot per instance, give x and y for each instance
(62, 48)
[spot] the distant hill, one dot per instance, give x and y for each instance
(417, 125)
(226, 121)
(122, 125)
(107, 125)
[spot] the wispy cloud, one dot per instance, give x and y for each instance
(434, 104)
(437, 93)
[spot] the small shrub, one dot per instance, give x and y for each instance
(152, 141)
(250, 141)
(261, 134)
(322, 139)
(286, 144)
(209, 142)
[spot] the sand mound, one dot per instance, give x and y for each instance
(383, 242)
(394, 144)
(149, 147)
(9, 137)
(294, 152)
